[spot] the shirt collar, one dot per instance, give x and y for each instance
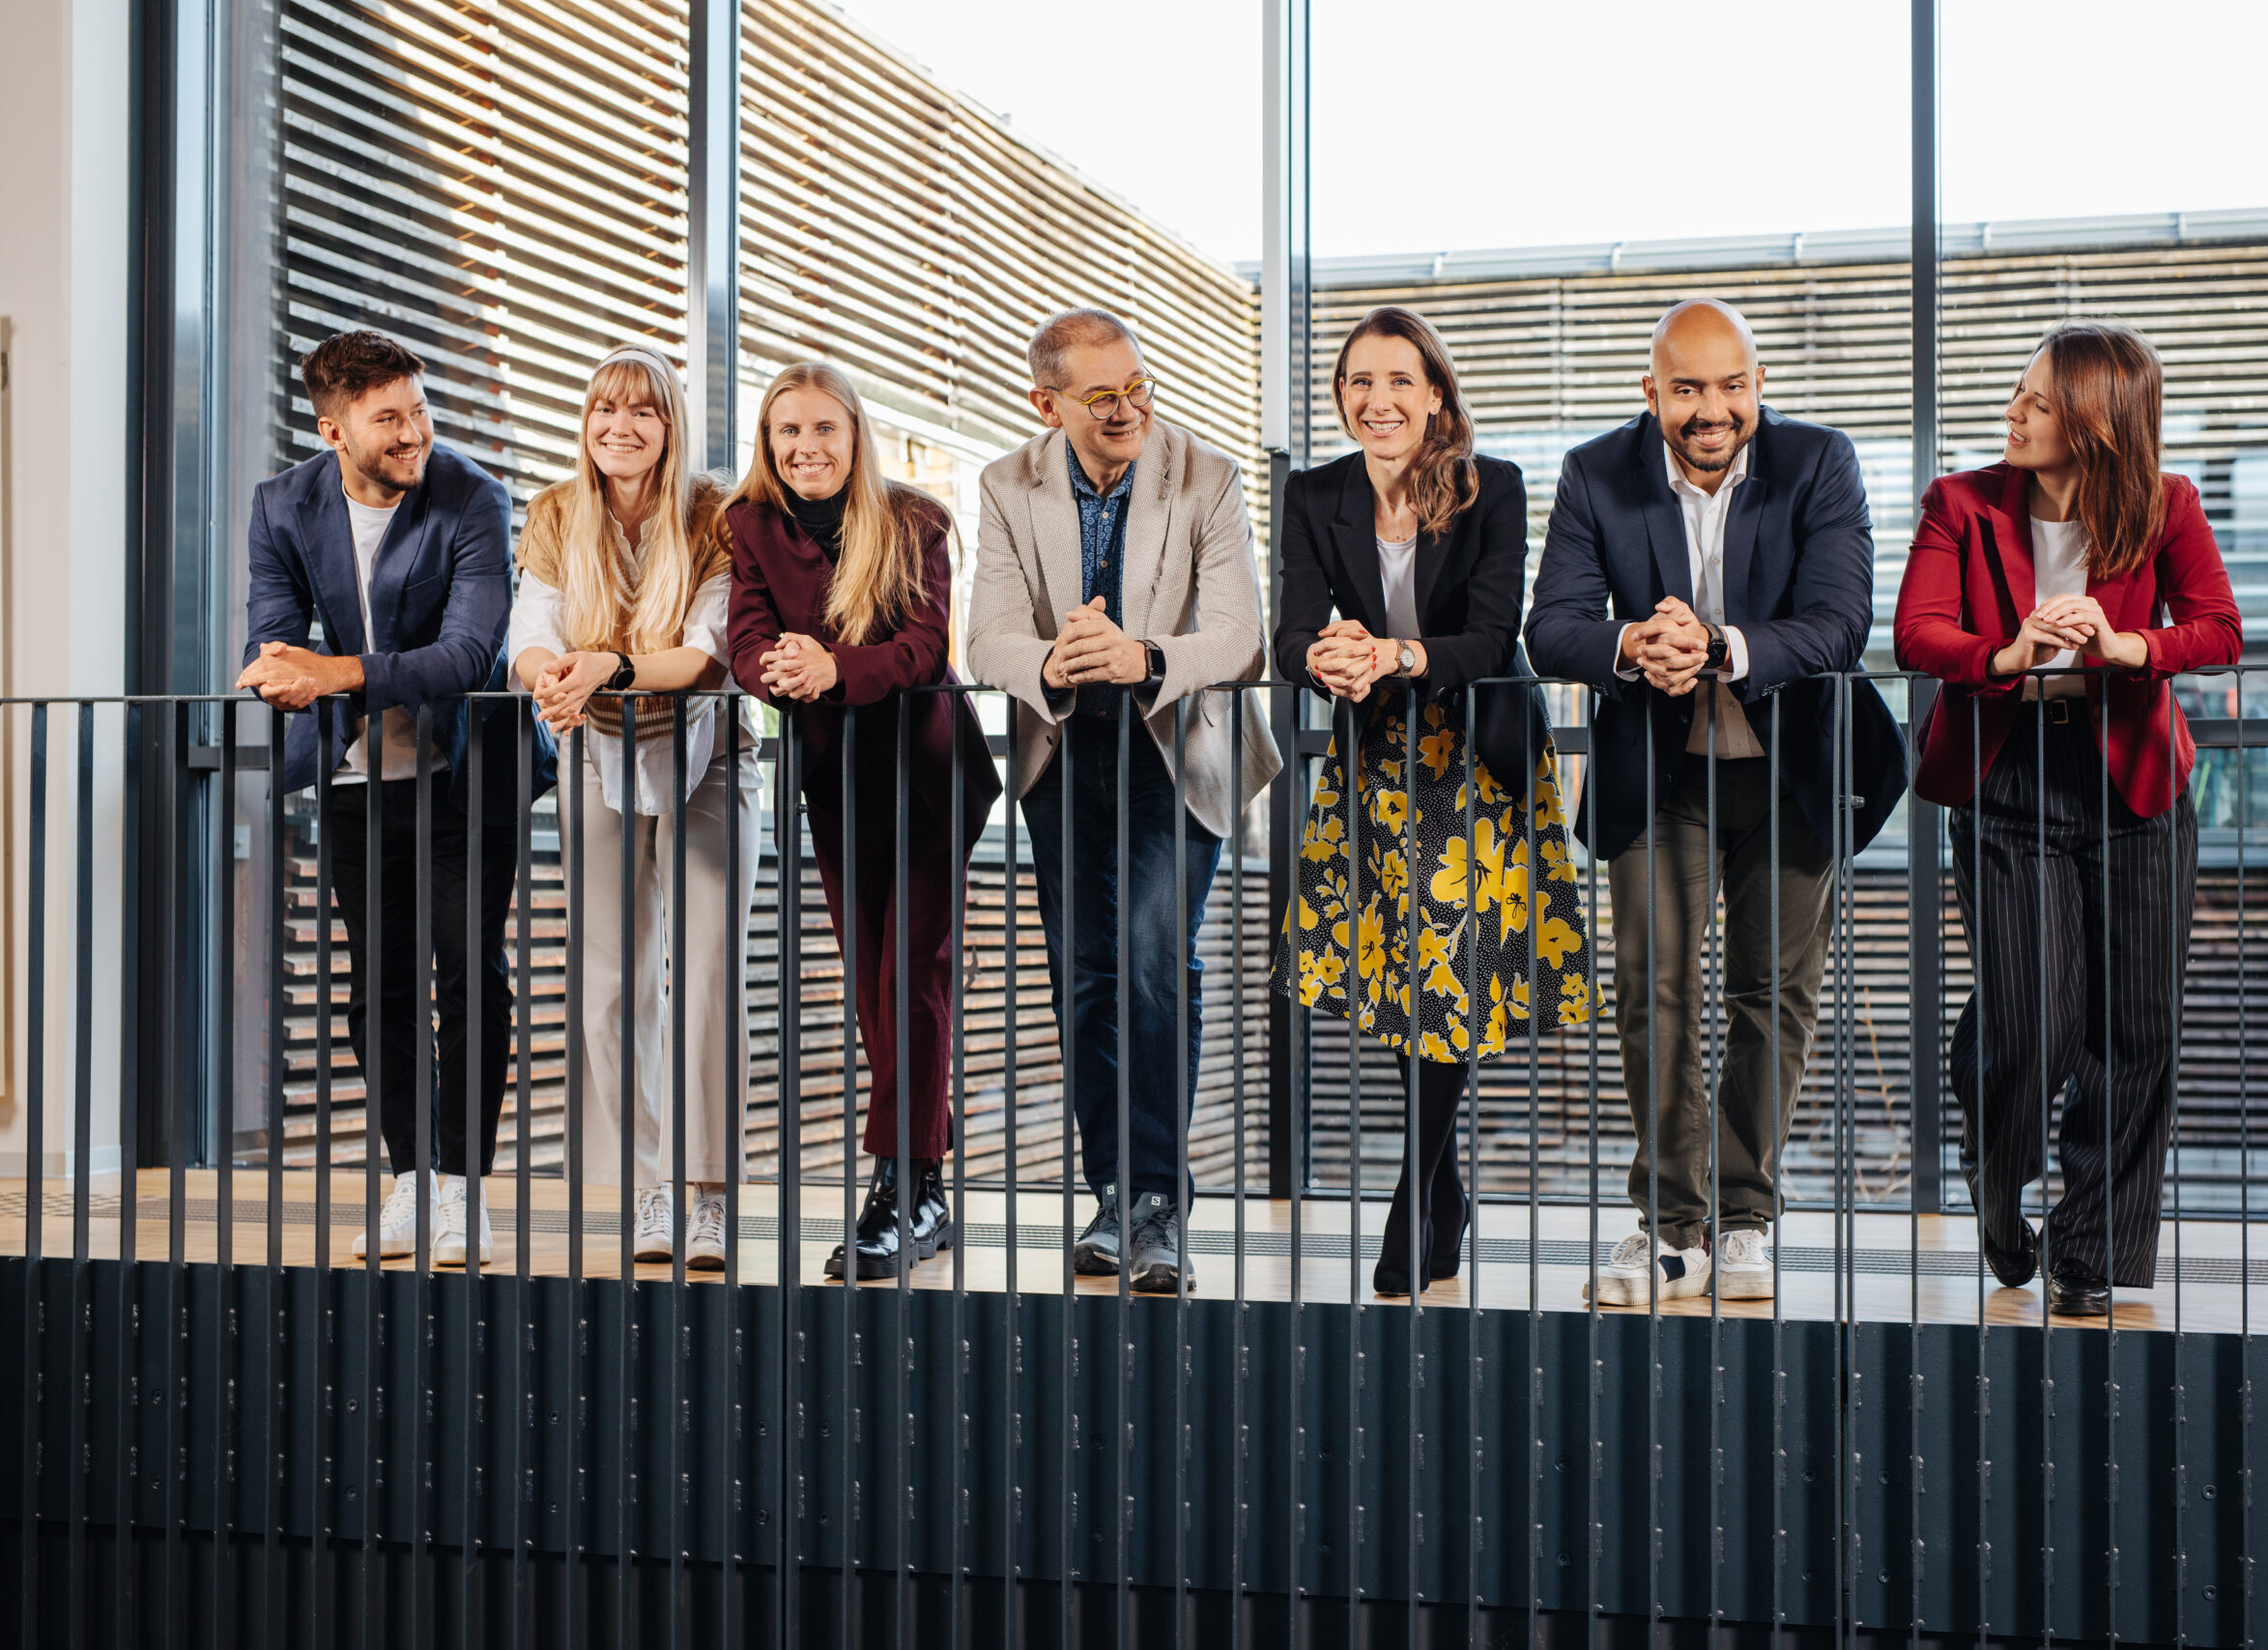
(1685, 489)
(1080, 483)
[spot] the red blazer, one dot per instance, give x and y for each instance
(780, 582)
(1968, 587)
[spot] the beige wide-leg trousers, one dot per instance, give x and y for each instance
(716, 946)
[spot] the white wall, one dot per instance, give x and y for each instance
(63, 288)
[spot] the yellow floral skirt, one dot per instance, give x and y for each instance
(1348, 939)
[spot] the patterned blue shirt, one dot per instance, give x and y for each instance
(1101, 551)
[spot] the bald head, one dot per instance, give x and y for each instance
(1704, 387)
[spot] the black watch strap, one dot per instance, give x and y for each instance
(1720, 650)
(1156, 660)
(625, 672)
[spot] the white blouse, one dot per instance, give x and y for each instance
(535, 624)
(2060, 568)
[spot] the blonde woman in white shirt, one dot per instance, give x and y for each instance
(624, 585)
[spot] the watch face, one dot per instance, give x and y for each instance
(1408, 661)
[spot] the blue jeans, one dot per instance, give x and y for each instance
(1162, 945)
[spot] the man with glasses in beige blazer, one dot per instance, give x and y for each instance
(1114, 553)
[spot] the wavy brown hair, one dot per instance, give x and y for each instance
(884, 522)
(1443, 479)
(2109, 396)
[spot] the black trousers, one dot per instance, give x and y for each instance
(2079, 920)
(401, 1017)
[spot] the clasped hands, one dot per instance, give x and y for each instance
(1669, 646)
(565, 686)
(1346, 659)
(799, 668)
(2074, 621)
(292, 678)
(1090, 650)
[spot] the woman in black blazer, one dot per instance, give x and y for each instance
(1420, 546)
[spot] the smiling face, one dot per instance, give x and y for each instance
(1105, 446)
(1384, 397)
(1704, 387)
(385, 435)
(626, 435)
(2035, 436)
(811, 441)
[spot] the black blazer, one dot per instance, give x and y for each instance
(1470, 582)
(1798, 583)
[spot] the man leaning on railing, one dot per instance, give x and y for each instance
(1114, 552)
(400, 548)
(1711, 544)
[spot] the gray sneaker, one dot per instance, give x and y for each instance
(1096, 1253)
(1158, 1266)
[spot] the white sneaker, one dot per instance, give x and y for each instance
(655, 1238)
(448, 1247)
(704, 1234)
(1745, 1265)
(1675, 1273)
(397, 1221)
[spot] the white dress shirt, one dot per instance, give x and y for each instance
(397, 728)
(535, 624)
(2060, 568)
(1705, 515)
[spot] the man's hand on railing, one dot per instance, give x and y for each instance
(292, 678)
(799, 668)
(1670, 647)
(1091, 650)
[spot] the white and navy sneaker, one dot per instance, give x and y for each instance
(1745, 1265)
(704, 1235)
(1638, 1262)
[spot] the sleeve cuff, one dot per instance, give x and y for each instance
(1628, 672)
(1736, 666)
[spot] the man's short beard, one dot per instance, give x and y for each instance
(1711, 466)
(373, 463)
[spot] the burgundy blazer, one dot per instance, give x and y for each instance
(780, 583)
(1968, 587)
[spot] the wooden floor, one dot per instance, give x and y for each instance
(1894, 1266)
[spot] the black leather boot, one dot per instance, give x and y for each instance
(929, 1222)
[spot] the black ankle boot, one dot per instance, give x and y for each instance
(929, 1222)
(1445, 1253)
(1391, 1275)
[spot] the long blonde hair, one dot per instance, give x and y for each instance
(878, 579)
(590, 616)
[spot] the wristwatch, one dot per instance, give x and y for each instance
(1405, 662)
(1156, 660)
(1719, 649)
(624, 675)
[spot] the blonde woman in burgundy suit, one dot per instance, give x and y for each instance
(2075, 554)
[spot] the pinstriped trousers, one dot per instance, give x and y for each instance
(2078, 921)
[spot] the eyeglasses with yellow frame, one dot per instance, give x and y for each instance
(1139, 394)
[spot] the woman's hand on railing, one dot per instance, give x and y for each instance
(564, 686)
(2083, 616)
(799, 668)
(1345, 658)
(2038, 639)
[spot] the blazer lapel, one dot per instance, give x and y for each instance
(1354, 534)
(327, 542)
(1149, 511)
(2012, 538)
(1054, 525)
(1665, 522)
(1741, 519)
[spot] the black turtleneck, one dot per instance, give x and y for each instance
(822, 520)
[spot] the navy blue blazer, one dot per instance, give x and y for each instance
(1798, 583)
(1469, 583)
(440, 592)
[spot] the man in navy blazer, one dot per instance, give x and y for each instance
(401, 550)
(1706, 562)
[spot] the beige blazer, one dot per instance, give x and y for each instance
(1190, 584)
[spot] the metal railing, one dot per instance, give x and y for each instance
(1021, 1456)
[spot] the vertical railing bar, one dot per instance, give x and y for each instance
(1067, 1441)
(322, 1416)
(1473, 1385)
(275, 1468)
(127, 1468)
(1418, 1255)
(1847, 1170)
(679, 1627)
(521, 1618)
(735, 1477)
(2178, 960)
(221, 979)
(1011, 1341)
(1976, 1113)
(787, 857)
(1182, 1175)
(1654, 1086)
(2047, 1325)
(1123, 1423)
(179, 1100)
(1351, 765)
(1712, 998)
(34, 1110)
(2110, 1392)
(1295, 1431)
(2244, 1182)
(82, 1174)
(1596, 1530)
(374, 1044)
(1780, 1103)
(956, 1141)
(420, 1277)
(1915, 1546)
(625, 1473)
(475, 1165)
(1237, 1427)
(847, 768)
(902, 1382)
(574, 1573)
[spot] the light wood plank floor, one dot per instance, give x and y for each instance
(1888, 1267)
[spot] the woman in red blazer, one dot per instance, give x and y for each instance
(840, 595)
(2076, 555)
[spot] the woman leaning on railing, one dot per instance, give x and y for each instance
(623, 585)
(2063, 558)
(841, 581)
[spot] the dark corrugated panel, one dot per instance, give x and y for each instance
(502, 186)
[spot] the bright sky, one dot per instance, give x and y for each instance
(1511, 123)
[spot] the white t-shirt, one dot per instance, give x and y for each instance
(397, 728)
(2060, 568)
(1397, 568)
